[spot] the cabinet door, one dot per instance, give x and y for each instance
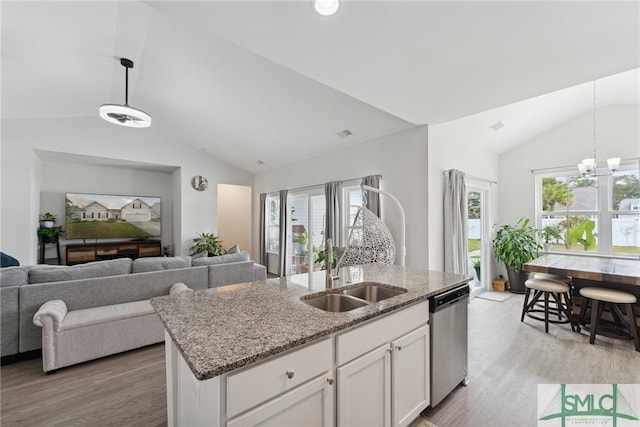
(410, 373)
(364, 387)
(310, 404)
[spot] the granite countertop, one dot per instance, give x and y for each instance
(221, 329)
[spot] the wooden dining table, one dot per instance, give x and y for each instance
(598, 269)
(617, 273)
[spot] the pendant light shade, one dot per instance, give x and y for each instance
(124, 115)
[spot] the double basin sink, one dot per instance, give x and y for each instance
(349, 299)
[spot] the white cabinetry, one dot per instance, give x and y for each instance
(381, 378)
(310, 404)
(410, 376)
(364, 390)
(388, 383)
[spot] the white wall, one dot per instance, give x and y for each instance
(194, 211)
(448, 151)
(618, 135)
(400, 158)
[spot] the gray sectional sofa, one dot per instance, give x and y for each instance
(23, 290)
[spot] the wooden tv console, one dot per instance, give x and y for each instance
(87, 252)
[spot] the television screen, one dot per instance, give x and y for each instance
(94, 216)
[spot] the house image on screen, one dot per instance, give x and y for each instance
(134, 211)
(95, 211)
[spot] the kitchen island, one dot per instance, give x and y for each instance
(243, 354)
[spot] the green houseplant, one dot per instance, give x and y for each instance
(548, 233)
(49, 234)
(514, 246)
(208, 242)
(47, 220)
(476, 261)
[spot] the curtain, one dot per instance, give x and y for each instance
(262, 232)
(282, 255)
(332, 222)
(371, 199)
(455, 222)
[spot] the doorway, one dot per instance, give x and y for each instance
(477, 237)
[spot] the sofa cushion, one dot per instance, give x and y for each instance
(222, 259)
(14, 276)
(106, 313)
(141, 265)
(59, 273)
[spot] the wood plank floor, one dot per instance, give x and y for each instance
(507, 359)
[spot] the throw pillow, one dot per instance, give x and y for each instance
(202, 254)
(233, 249)
(161, 263)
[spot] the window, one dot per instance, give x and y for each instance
(352, 197)
(594, 214)
(273, 223)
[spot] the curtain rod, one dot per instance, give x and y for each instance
(475, 177)
(318, 185)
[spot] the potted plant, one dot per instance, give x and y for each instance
(49, 234)
(514, 246)
(547, 234)
(476, 261)
(208, 242)
(300, 242)
(47, 220)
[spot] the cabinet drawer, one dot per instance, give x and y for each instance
(377, 332)
(149, 251)
(257, 384)
(106, 251)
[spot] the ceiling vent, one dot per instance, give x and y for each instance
(497, 126)
(345, 133)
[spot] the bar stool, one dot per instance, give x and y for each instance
(599, 297)
(559, 291)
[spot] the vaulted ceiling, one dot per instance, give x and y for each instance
(276, 82)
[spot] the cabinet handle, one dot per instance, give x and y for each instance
(330, 381)
(399, 347)
(290, 374)
(389, 350)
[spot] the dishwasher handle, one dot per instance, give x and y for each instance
(443, 300)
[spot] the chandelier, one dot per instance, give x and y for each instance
(587, 167)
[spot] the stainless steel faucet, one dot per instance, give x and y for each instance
(327, 262)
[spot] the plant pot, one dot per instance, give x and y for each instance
(546, 246)
(47, 224)
(477, 269)
(516, 280)
(298, 248)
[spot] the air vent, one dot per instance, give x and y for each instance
(345, 133)
(497, 126)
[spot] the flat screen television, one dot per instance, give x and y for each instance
(95, 216)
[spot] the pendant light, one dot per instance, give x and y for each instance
(587, 167)
(124, 115)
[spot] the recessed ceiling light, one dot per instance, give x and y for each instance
(326, 7)
(497, 126)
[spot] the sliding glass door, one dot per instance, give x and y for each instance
(306, 228)
(477, 237)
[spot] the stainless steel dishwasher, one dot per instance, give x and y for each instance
(448, 313)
